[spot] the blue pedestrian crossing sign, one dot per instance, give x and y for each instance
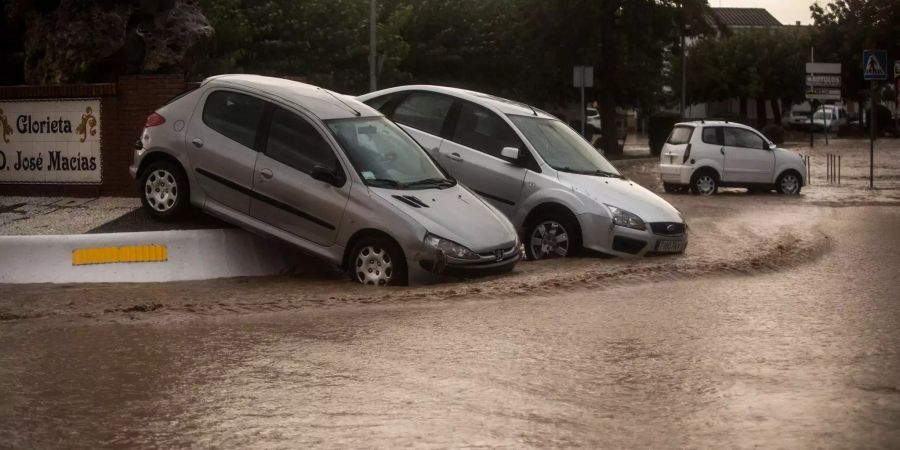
(875, 65)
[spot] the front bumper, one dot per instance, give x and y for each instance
(602, 236)
(491, 263)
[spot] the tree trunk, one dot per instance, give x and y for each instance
(761, 116)
(776, 111)
(743, 102)
(608, 74)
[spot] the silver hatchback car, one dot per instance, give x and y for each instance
(323, 172)
(555, 187)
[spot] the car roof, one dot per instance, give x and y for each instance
(717, 123)
(320, 102)
(499, 104)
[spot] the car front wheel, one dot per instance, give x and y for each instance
(377, 261)
(788, 183)
(549, 237)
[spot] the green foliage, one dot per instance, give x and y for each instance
(766, 64)
(523, 49)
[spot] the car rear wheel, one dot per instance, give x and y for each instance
(165, 193)
(788, 183)
(378, 261)
(549, 236)
(704, 183)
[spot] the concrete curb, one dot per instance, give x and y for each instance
(156, 256)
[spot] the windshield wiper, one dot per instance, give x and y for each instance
(429, 181)
(604, 173)
(384, 182)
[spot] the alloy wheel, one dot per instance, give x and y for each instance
(374, 266)
(161, 190)
(549, 240)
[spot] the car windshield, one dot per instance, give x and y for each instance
(822, 114)
(385, 156)
(562, 148)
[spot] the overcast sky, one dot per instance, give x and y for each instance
(786, 11)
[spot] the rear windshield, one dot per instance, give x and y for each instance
(680, 135)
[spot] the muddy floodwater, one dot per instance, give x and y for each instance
(778, 328)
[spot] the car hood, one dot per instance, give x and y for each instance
(453, 213)
(624, 194)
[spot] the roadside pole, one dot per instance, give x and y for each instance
(583, 113)
(582, 77)
(874, 69)
(825, 124)
(872, 137)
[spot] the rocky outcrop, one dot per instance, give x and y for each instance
(97, 40)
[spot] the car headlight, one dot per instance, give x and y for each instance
(626, 219)
(449, 247)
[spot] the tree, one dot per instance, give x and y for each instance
(844, 28)
(765, 65)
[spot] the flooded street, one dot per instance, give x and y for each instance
(780, 327)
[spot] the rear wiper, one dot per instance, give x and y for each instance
(428, 181)
(384, 182)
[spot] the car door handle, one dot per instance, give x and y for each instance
(266, 173)
(454, 156)
(197, 142)
(722, 150)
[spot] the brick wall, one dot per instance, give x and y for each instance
(125, 106)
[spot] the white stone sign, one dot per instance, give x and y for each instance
(50, 142)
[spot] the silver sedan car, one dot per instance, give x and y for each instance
(323, 172)
(558, 190)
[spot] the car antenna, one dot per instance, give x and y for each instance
(342, 102)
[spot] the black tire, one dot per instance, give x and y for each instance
(165, 191)
(704, 182)
(784, 185)
(672, 188)
(383, 265)
(553, 226)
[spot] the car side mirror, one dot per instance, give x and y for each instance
(771, 146)
(510, 153)
(325, 175)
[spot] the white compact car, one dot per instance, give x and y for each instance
(557, 190)
(707, 155)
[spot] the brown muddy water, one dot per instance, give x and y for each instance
(780, 327)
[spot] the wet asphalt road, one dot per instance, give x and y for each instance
(804, 356)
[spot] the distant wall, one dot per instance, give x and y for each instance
(124, 107)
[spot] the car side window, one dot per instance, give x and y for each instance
(482, 130)
(236, 116)
(378, 102)
(712, 135)
(295, 142)
(739, 137)
(423, 111)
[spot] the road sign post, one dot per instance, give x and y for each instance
(823, 82)
(874, 69)
(583, 76)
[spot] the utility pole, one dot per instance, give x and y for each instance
(373, 60)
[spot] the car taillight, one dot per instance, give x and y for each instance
(687, 153)
(154, 120)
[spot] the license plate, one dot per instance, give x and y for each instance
(670, 246)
